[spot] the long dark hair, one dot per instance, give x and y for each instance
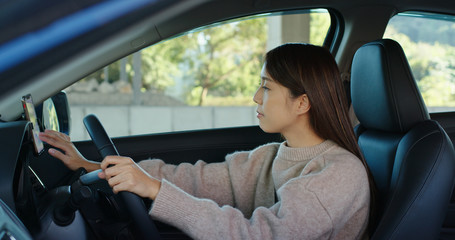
(312, 70)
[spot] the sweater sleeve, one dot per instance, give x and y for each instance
(231, 182)
(201, 179)
(293, 217)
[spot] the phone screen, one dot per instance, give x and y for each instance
(29, 109)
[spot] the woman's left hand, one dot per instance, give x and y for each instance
(123, 174)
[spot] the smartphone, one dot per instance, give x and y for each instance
(30, 115)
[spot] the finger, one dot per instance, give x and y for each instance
(116, 189)
(121, 185)
(45, 137)
(57, 154)
(126, 171)
(52, 133)
(54, 141)
(115, 160)
(67, 138)
(126, 182)
(116, 180)
(115, 170)
(49, 131)
(57, 135)
(102, 175)
(108, 161)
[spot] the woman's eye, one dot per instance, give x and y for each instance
(265, 88)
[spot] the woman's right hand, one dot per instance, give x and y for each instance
(69, 154)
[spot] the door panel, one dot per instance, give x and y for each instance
(189, 146)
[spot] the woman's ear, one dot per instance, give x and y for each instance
(303, 104)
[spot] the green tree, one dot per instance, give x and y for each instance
(160, 64)
(220, 61)
(231, 52)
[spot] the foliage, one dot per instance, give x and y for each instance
(432, 64)
(442, 32)
(319, 22)
(220, 61)
(229, 59)
(159, 68)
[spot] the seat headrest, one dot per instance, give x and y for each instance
(384, 93)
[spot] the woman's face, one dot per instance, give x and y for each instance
(276, 109)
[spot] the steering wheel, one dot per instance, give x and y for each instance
(142, 223)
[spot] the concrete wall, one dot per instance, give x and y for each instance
(135, 120)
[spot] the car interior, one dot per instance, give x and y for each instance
(409, 150)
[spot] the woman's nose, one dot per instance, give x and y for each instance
(257, 98)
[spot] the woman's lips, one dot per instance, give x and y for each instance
(260, 115)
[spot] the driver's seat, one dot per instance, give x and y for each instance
(410, 156)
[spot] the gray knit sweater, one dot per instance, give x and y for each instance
(322, 193)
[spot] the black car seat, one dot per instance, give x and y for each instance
(410, 156)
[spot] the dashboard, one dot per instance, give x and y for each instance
(26, 203)
(43, 199)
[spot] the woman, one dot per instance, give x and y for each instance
(315, 185)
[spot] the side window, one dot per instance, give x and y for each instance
(202, 79)
(429, 43)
